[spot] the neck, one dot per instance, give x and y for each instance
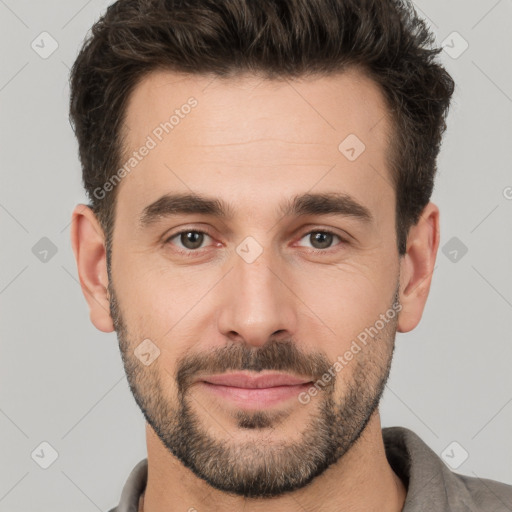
(361, 480)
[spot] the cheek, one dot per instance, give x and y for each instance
(153, 292)
(166, 307)
(349, 308)
(347, 299)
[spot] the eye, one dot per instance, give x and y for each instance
(322, 239)
(190, 240)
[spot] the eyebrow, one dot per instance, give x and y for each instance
(329, 203)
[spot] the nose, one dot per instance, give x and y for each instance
(257, 302)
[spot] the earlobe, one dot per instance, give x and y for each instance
(88, 245)
(417, 267)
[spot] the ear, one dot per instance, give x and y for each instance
(88, 242)
(417, 266)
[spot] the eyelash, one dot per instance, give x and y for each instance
(195, 252)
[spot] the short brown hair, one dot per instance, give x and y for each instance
(275, 39)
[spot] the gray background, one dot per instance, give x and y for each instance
(62, 381)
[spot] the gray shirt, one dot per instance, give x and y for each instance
(431, 486)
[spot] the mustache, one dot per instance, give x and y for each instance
(274, 355)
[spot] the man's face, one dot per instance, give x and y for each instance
(257, 291)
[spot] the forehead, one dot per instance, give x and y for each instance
(212, 134)
(347, 100)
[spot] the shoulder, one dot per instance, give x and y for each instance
(430, 483)
(486, 494)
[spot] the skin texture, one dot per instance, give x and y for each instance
(255, 143)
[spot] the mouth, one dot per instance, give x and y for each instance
(254, 392)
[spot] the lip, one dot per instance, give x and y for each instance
(244, 380)
(254, 392)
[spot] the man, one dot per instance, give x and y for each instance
(260, 228)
